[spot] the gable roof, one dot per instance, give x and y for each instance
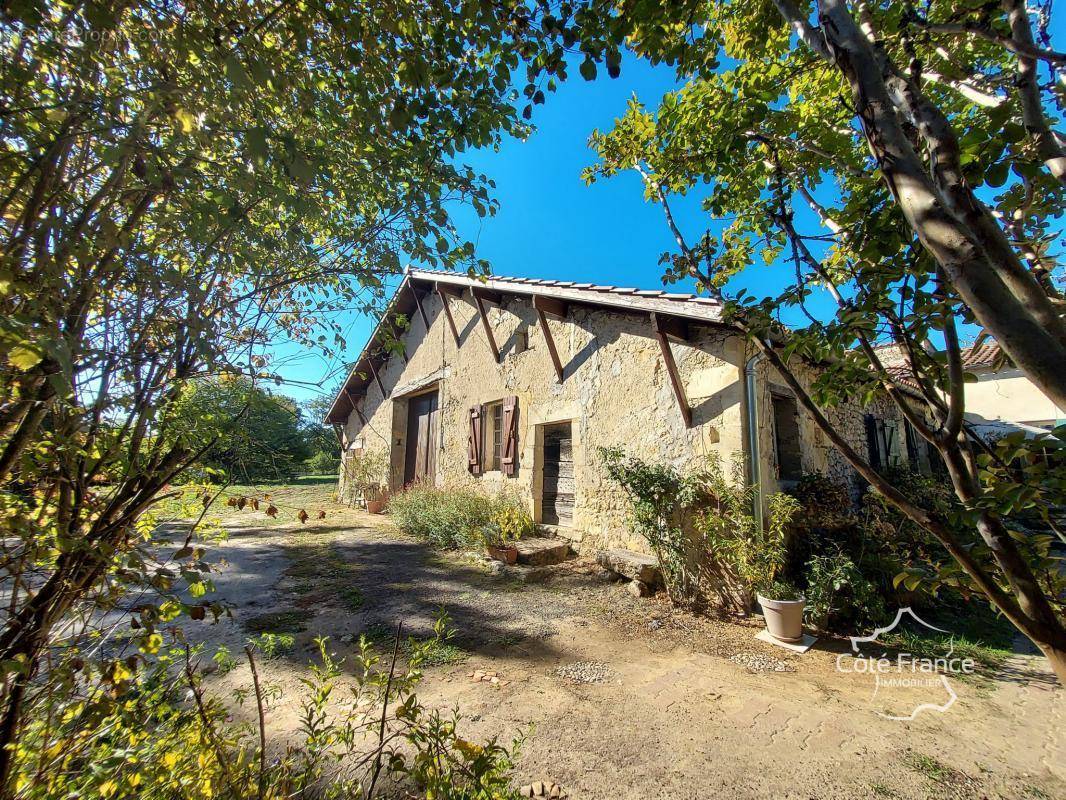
(689, 307)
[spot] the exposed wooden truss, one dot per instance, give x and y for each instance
(445, 290)
(421, 309)
(550, 307)
(481, 297)
(355, 400)
(377, 378)
(666, 328)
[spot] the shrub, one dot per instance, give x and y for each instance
(700, 526)
(455, 516)
(158, 733)
(839, 596)
(322, 463)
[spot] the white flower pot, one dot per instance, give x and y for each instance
(784, 618)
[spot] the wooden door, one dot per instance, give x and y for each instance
(423, 438)
(557, 495)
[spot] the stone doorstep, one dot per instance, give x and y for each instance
(635, 566)
(541, 551)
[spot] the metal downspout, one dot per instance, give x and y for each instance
(751, 395)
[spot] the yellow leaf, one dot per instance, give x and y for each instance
(24, 357)
(186, 119)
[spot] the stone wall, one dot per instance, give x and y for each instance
(616, 392)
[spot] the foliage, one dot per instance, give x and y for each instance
(660, 499)
(248, 432)
(839, 596)
(150, 742)
(455, 516)
(366, 472)
(321, 438)
(926, 201)
(322, 462)
(184, 185)
(700, 526)
(756, 556)
(510, 522)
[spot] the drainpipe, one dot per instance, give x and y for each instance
(755, 465)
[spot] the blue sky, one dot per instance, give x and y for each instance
(550, 224)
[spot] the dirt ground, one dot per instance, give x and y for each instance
(673, 712)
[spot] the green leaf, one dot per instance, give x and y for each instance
(588, 69)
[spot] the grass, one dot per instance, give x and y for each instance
(309, 493)
(929, 767)
(436, 653)
(322, 571)
(975, 632)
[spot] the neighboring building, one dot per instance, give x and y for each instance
(514, 383)
(1003, 394)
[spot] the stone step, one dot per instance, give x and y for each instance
(635, 566)
(541, 551)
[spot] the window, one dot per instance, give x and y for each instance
(883, 442)
(787, 439)
(492, 436)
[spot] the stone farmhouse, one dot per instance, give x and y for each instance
(514, 383)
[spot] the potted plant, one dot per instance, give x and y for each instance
(499, 544)
(782, 609)
(375, 496)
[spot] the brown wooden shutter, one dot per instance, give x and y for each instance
(473, 442)
(509, 446)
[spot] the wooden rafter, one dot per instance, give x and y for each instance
(550, 306)
(354, 398)
(479, 301)
(545, 307)
(664, 329)
(421, 308)
(444, 290)
(377, 378)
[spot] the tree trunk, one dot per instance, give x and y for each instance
(1028, 329)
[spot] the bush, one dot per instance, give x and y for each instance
(156, 732)
(454, 516)
(322, 463)
(839, 596)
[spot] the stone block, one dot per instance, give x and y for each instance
(635, 566)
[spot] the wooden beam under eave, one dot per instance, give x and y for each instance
(421, 309)
(377, 378)
(444, 291)
(671, 370)
(548, 340)
(488, 295)
(480, 303)
(673, 327)
(551, 306)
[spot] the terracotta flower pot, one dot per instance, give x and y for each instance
(784, 618)
(376, 506)
(508, 555)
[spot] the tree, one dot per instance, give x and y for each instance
(924, 201)
(180, 185)
(321, 438)
(248, 432)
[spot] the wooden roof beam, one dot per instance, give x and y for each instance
(550, 306)
(480, 301)
(662, 333)
(445, 291)
(676, 329)
(377, 378)
(421, 308)
(486, 295)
